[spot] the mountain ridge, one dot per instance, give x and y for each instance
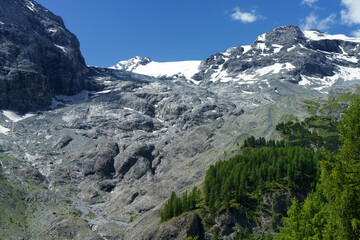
(278, 53)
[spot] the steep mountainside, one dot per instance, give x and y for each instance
(39, 57)
(99, 164)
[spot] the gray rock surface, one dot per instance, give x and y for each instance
(39, 57)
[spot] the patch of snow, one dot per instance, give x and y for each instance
(277, 48)
(276, 68)
(104, 91)
(31, 6)
(15, 117)
(261, 37)
(132, 110)
(289, 66)
(342, 50)
(4, 130)
(246, 48)
(290, 49)
(249, 78)
(2, 23)
(347, 58)
(354, 49)
(347, 74)
(344, 73)
(61, 47)
(228, 52)
(247, 92)
(305, 81)
(261, 46)
(53, 30)
(316, 36)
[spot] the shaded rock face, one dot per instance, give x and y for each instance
(187, 225)
(39, 57)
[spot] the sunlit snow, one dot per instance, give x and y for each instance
(290, 49)
(61, 47)
(4, 130)
(15, 117)
(246, 48)
(316, 36)
(53, 30)
(31, 6)
(276, 68)
(277, 48)
(168, 69)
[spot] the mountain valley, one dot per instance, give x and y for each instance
(93, 153)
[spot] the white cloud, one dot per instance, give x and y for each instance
(309, 2)
(245, 17)
(313, 22)
(356, 33)
(352, 13)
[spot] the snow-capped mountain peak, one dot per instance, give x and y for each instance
(310, 58)
(313, 59)
(131, 64)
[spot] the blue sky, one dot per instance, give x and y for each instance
(176, 30)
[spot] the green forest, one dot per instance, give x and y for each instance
(318, 162)
(242, 178)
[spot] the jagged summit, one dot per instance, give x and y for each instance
(132, 63)
(310, 58)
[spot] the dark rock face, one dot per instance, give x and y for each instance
(99, 158)
(187, 225)
(39, 57)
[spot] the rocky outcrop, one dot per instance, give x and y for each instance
(39, 57)
(187, 225)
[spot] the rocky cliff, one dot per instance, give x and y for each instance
(39, 57)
